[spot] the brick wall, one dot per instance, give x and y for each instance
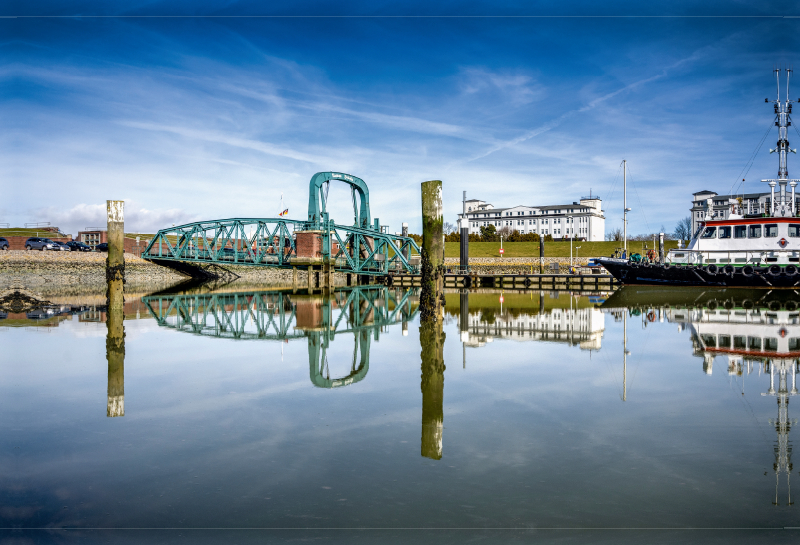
(18, 242)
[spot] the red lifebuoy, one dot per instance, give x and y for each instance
(651, 316)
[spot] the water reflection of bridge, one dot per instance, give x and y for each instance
(280, 316)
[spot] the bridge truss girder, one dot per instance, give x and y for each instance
(271, 242)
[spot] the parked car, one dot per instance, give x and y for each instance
(60, 246)
(102, 247)
(3, 243)
(76, 246)
(39, 243)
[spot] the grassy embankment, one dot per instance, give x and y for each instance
(551, 249)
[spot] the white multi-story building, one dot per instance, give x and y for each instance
(579, 220)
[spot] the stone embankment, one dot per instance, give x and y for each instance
(75, 271)
(72, 273)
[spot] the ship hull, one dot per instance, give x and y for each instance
(628, 272)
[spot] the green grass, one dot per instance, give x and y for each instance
(551, 249)
(26, 232)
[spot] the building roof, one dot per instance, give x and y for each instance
(704, 191)
(495, 211)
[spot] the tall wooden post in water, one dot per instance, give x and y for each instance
(432, 295)
(431, 335)
(115, 336)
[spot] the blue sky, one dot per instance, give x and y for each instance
(190, 118)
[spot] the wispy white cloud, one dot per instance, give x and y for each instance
(137, 218)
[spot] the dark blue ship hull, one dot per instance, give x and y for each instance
(773, 276)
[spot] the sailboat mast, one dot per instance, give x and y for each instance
(625, 206)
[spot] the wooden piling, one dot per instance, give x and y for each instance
(432, 294)
(115, 330)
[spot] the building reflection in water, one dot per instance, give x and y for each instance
(569, 319)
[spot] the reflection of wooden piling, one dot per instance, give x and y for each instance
(431, 298)
(115, 352)
(115, 336)
(431, 340)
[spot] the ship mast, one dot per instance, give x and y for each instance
(783, 110)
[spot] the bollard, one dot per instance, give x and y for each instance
(541, 255)
(432, 294)
(115, 330)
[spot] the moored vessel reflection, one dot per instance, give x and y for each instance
(744, 246)
(750, 331)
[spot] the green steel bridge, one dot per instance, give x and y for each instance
(363, 248)
(280, 316)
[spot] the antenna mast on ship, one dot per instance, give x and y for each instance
(783, 110)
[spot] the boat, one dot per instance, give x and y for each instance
(748, 248)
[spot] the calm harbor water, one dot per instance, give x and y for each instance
(256, 409)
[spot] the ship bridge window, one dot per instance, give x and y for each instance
(755, 231)
(710, 232)
(724, 341)
(724, 232)
(740, 231)
(771, 344)
(709, 340)
(740, 342)
(754, 343)
(794, 229)
(771, 230)
(794, 344)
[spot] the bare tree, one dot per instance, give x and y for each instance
(505, 231)
(614, 234)
(448, 228)
(684, 229)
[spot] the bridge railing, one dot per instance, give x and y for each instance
(253, 241)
